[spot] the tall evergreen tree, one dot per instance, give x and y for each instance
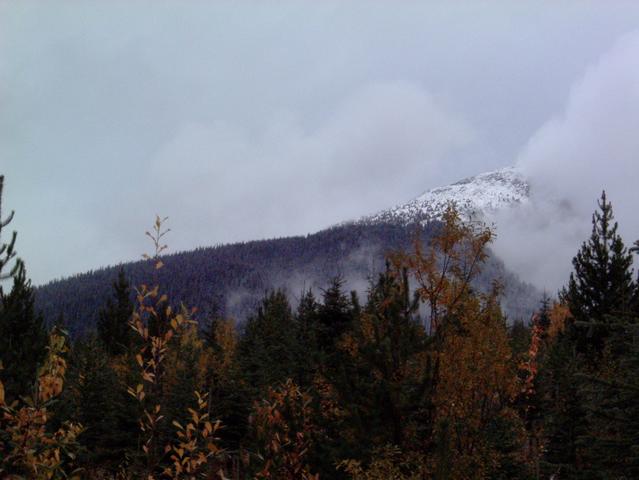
(561, 383)
(308, 353)
(382, 384)
(113, 322)
(97, 398)
(601, 284)
(607, 442)
(635, 299)
(335, 314)
(22, 336)
(267, 348)
(7, 250)
(582, 358)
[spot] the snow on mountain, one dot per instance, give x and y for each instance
(477, 196)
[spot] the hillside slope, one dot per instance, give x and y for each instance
(235, 277)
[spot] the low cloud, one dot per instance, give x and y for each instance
(592, 145)
(287, 179)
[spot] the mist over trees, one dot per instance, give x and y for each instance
(420, 376)
(233, 279)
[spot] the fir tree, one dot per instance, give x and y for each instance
(335, 315)
(96, 397)
(22, 337)
(267, 348)
(7, 250)
(601, 284)
(610, 446)
(113, 323)
(308, 353)
(381, 382)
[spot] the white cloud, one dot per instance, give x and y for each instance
(592, 145)
(287, 179)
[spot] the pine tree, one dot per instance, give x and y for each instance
(7, 250)
(335, 315)
(580, 360)
(23, 337)
(610, 446)
(308, 352)
(560, 383)
(601, 284)
(113, 322)
(382, 379)
(267, 348)
(635, 299)
(96, 397)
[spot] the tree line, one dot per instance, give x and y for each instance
(424, 378)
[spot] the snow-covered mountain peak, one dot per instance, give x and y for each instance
(478, 196)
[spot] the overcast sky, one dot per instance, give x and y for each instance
(244, 120)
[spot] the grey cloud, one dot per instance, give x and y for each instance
(285, 178)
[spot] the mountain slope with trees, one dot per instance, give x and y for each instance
(232, 279)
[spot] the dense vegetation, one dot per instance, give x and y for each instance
(422, 378)
(232, 279)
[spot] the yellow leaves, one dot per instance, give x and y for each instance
(195, 447)
(178, 425)
(445, 270)
(34, 449)
(559, 317)
(388, 463)
(283, 426)
(476, 381)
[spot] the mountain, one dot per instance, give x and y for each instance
(233, 278)
(477, 196)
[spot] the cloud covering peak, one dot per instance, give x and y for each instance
(591, 145)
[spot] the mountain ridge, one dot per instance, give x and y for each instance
(476, 196)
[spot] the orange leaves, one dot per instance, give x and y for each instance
(51, 374)
(31, 446)
(284, 428)
(445, 270)
(559, 317)
(196, 443)
(475, 373)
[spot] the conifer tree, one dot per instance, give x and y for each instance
(335, 314)
(635, 298)
(382, 382)
(7, 250)
(267, 348)
(23, 337)
(582, 358)
(228, 394)
(564, 407)
(601, 284)
(308, 353)
(96, 397)
(113, 322)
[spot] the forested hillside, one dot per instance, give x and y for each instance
(232, 279)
